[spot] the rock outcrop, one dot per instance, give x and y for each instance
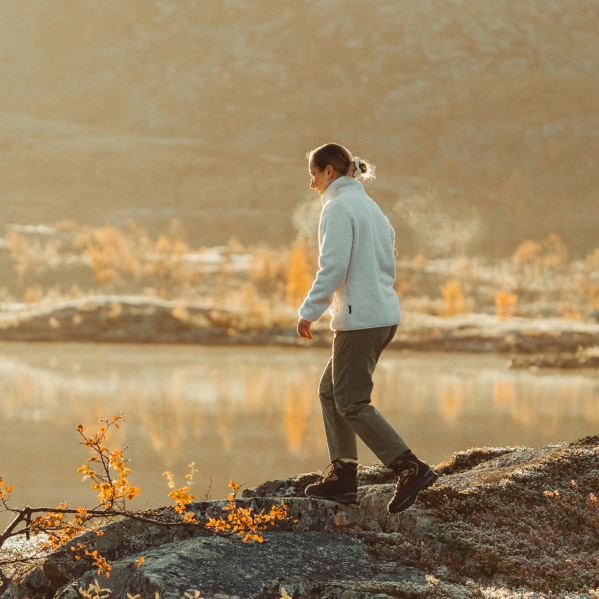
(143, 319)
(500, 523)
(561, 361)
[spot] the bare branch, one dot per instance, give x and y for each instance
(113, 493)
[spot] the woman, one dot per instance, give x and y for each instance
(355, 279)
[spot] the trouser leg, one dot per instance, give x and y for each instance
(355, 354)
(341, 438)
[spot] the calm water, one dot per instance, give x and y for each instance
(252, 414)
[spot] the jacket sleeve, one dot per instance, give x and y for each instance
(335, 252)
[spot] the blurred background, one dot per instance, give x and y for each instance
(481, 116)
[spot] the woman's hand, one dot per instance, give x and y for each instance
(303, 328)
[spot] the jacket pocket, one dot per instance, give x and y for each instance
(334, 306)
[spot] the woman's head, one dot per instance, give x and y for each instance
(332, 161)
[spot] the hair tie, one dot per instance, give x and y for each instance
(358, 173)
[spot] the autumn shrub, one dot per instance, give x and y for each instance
(505, 302)
(527, 252)
(108, 471)
(33, 295)
(549, 254)
(454, 298)
(264, 286)
(246, 522)
(555, 253)
(108, 252)
(24, 253)
(168, 267)
(300, 272)
(267, 270)
(118, 256)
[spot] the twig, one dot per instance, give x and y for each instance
(26, 513)
(15, 522)
(28, 521)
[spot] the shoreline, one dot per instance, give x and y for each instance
(140, 320)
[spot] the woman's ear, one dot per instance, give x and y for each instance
(330, 171)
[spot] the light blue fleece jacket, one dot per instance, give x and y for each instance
(356, 262)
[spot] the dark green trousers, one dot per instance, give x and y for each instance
(345, 389)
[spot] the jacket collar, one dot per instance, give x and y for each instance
(340, 185)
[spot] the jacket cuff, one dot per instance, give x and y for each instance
(308, 315)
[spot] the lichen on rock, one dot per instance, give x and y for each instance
(500, 523)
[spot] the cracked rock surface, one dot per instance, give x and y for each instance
(501, 523)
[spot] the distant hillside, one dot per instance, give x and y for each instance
(481, 115)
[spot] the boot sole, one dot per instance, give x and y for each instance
(428, 480)
(345, 498)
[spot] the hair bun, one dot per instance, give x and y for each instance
(358, 172)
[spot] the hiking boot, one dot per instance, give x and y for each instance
(337, 483)
(411, 477)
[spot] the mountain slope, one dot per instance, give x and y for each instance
(481, 116)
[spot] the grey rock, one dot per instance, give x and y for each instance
(489, 522)
(216, 565)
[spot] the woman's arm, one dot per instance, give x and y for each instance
(335, 252)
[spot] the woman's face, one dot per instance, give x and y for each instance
(320, 180)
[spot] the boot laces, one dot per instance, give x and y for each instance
(329, 473)
(404, 471)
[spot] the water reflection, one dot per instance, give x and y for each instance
(252, 413)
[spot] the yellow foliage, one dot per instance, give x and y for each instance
(234, 246)
(5, 490)
(33, 295)
(16, 244)
(570, 311)
(180, 312)
(420, 260)
(454, 298)
(110, 253)
(592, 260)
(25, 254)
(67, 225)
(506, 303)
(556, 252)
(99, 562)
(182, 496)
(527, 252)
(246, 522)
(109, 490)
(299, 273)
(549, 254)
(112, 492)
(268, 270)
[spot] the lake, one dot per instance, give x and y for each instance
(251, 414)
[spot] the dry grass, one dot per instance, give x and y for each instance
(264, 286)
